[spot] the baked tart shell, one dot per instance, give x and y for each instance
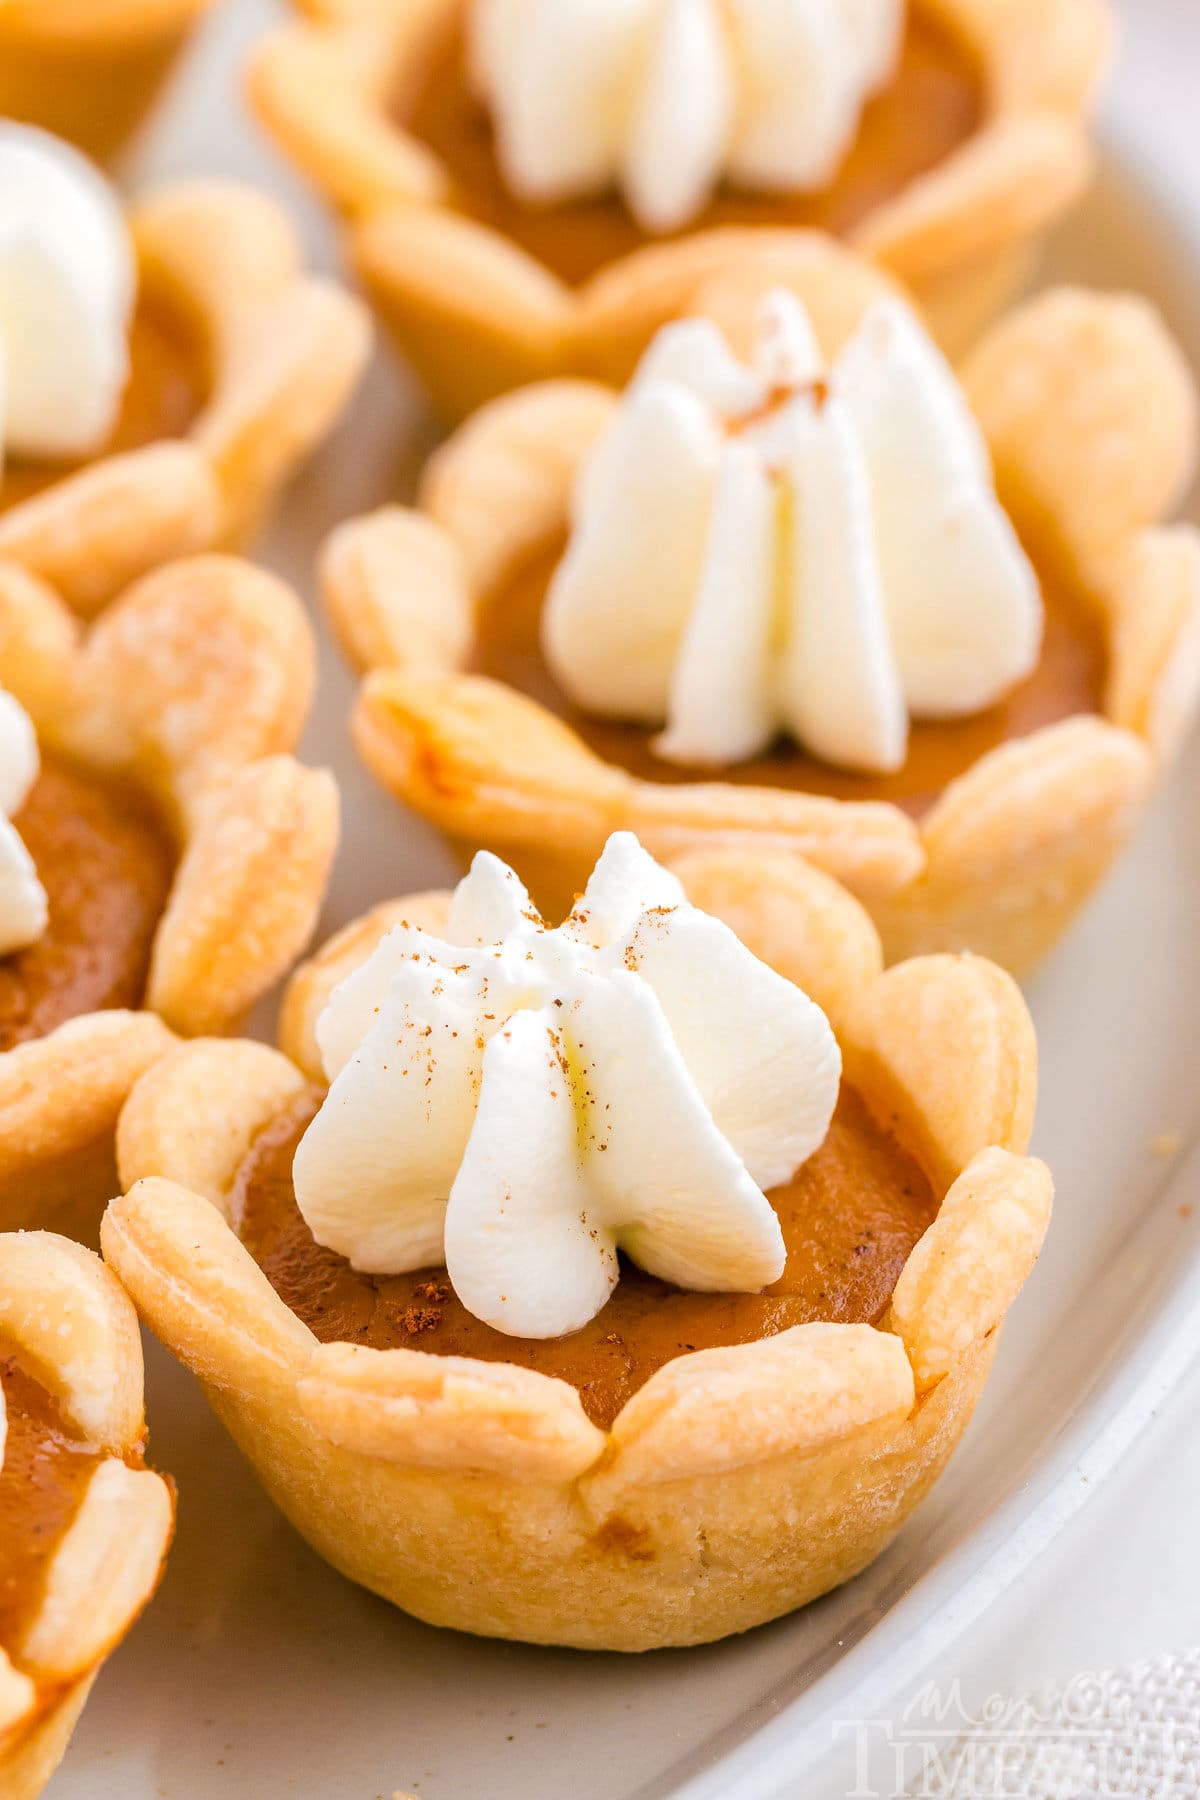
(65, 1314)
(191, 692)
(1089, 411)
(480, 1495)
(276, 353)
(476, 315)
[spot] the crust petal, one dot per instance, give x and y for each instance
(448, 1412)
(192, 1118)
(246, 894)
(943, 1049)
(60, 1097)
(501, 486)
(75, 1325)
(196, 1286)
(719, 1409)
(973, 1261)
(102, 1573)
(396, 593)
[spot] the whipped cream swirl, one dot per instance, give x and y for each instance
(23, 905)
(67, 283)
(665, 98)
(790, 547)
(522, 1102)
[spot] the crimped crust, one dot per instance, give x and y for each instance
(477, 316)
(89, 69)
(1089, 410)
(67, 1317)
(283, 350)
(193, 687)
(737, 1483)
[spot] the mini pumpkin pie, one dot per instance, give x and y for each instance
(84, 1525)
(89, 69)
(165, 372)
(773, 598)
(533, 189)
(597, 1286)
(159, 849)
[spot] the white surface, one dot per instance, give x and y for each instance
(260, 1672)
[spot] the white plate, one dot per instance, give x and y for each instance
(259, 1672)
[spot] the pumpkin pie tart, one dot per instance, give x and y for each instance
(89, 69)
(530, 191)
(84, 1525)
(162, 856)
(800, 588)
(169, 368)
(530, 1368)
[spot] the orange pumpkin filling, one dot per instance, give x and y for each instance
(106, 867)
(850, 1218)
(1069, 679)
(162, 398)
(43, 1473)
(932, 105)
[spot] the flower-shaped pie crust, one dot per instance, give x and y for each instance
(190, 691)
(89, 70)
(280, 351)
(477, 315)
(737, 1483)
(1089, 411)
(71, 1327)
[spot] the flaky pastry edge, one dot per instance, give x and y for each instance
(477, 315)
(1090, 414)
(283, 350)
(66, 1315)
(193, 687)
(942, 1049)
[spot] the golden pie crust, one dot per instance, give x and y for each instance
(67, 1319)
(190, 690)
(479, 1495)
(89, 70)
(1090, 413)
(279, 352)
(476, 315)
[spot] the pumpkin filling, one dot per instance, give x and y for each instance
(164, 394)
(850, 1218)
(932, 105)
(43, 1473)
(107, 869)
(1068, 680)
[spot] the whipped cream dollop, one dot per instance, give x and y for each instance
(23, 906)
(521, 1103)
(67, 284)
(790, 547)
(665, 98)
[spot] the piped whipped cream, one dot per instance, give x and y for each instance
(787, 546)
(522, 1102)
(23, 905)
(67, 283)
(665, 98)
